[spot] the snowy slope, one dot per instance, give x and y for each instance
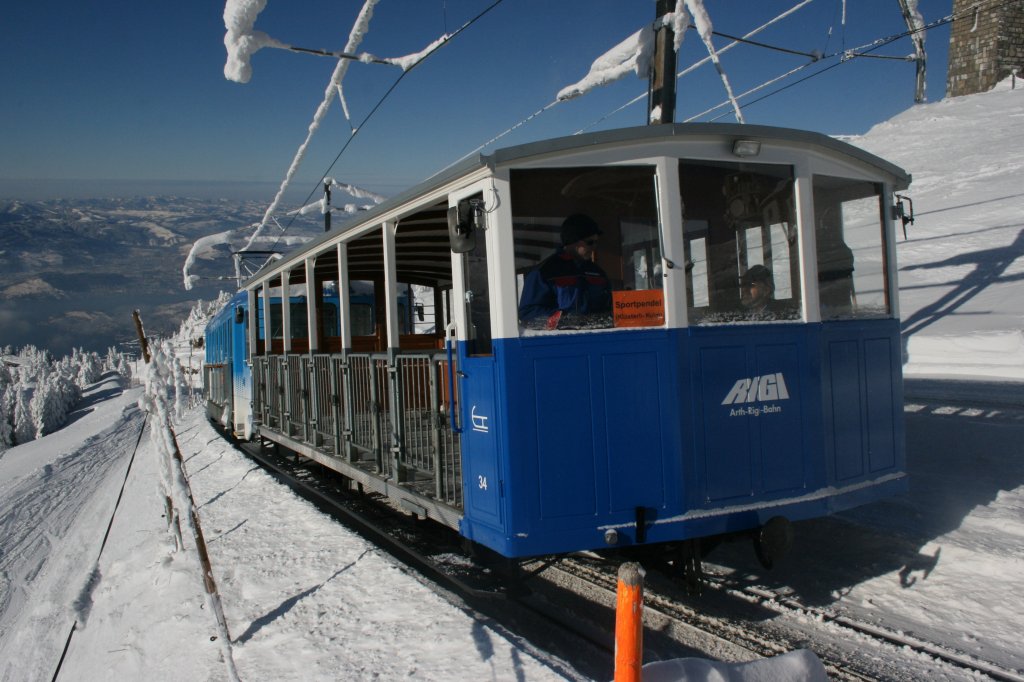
(960, 269)
(56, 494)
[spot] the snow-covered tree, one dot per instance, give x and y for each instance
(193, 326)
(89, 367)
(47, 408)
(24, 429)
(116, 361)
(6, 408)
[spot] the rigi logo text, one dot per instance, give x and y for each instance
(762, 388)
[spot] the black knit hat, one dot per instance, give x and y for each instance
(757, 273)
(578, 227)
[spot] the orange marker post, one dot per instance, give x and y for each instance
(629, 623)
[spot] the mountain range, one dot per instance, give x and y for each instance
(73, 270)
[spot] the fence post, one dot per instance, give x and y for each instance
(629, 623)
(168, 447)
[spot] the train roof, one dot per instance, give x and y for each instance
(726, 133)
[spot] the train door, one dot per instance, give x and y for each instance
(476, 373)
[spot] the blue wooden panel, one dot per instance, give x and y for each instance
(881, 401)
(565, 437)
(727, 432)
(634, 431)
(481, 477)
(847, 425)
(781, 426)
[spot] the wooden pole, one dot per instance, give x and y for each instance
(629, 623)
(327, 206)
(661, 106)
(917, 37)
(213, 596)
(143, 342)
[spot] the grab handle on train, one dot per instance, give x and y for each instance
(449, 333)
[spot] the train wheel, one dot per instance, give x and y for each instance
(773, 541)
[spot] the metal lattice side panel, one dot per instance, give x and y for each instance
(386, 436)
(364, 404)
(215, 383)
(449, 455)
(418, 411)
(322, 418)
(259, 389)
(429, 447)
(295, 397)
(275, 392)
(339, 406)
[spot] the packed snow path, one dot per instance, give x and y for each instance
(305, 598)
(56, 497)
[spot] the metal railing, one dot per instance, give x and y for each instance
(366, 387)
(216, 382)
(325, 403)
(296, 396)
(389, 413)
(428, 444)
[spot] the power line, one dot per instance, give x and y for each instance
(814, 56)
(847, 55)
(380, 103)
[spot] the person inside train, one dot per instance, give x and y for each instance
(757, 294)
(568, 289)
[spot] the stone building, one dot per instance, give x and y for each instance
(986, 44)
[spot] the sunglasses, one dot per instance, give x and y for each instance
(590, 242)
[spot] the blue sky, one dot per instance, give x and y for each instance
(132, 91)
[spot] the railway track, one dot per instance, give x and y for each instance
(566, 605)
(783, 603)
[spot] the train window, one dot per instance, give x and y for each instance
(850, 237)
(361, 302)
(300, 320)
(276, 321)
(416, 314)
(328, 311)
(587, 248)
(329, 319)
(300, 326)
(742, 255)
(259, 319)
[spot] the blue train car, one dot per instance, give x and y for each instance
(628, 339)
(227, 381)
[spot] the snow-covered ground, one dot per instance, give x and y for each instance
(305, 599)
(961, 267)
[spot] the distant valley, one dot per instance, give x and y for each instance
(72, 270)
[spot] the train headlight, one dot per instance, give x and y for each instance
(744, 148)
(611, 537)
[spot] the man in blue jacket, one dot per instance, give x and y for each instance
(568, 289)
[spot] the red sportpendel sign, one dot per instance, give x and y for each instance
(644, 308)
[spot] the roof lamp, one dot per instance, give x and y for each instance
(746, 148)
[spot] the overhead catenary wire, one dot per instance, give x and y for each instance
(702, 62)
(436, 46)
(845, 55)
(864, 51)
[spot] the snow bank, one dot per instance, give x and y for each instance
(961, 266)
(990, 354)
(796, 666)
